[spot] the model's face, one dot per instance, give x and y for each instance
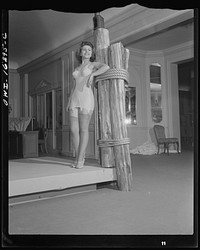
(86, 51)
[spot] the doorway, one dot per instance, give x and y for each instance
(186, 103)
(47, 110)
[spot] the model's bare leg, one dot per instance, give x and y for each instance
(84, 121)
(74, 128)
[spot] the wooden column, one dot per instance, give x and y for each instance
(118, 59)
(102, 43)
(111, 106)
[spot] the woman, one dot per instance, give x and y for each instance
(81, 103)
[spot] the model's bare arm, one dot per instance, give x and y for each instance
(98, 69)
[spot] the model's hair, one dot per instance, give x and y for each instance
(78, 54)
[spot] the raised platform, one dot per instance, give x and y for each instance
(43, 174)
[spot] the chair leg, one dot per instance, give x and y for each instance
(158, 148)
(41, 148)
(45, 146)
(164, 147)
(177, 144)
(167, 146)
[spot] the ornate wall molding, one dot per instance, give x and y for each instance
(41, 87)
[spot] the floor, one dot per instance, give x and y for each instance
(161, 203)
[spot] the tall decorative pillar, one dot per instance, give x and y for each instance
(113, 141)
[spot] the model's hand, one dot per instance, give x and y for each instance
(90, 80)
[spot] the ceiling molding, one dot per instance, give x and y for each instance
(159, 24)
(180, 47)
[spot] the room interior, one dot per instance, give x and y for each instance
(159, 179)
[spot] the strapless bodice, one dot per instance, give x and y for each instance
(85, 71)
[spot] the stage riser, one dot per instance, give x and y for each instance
(42, 176)
(50, 194)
